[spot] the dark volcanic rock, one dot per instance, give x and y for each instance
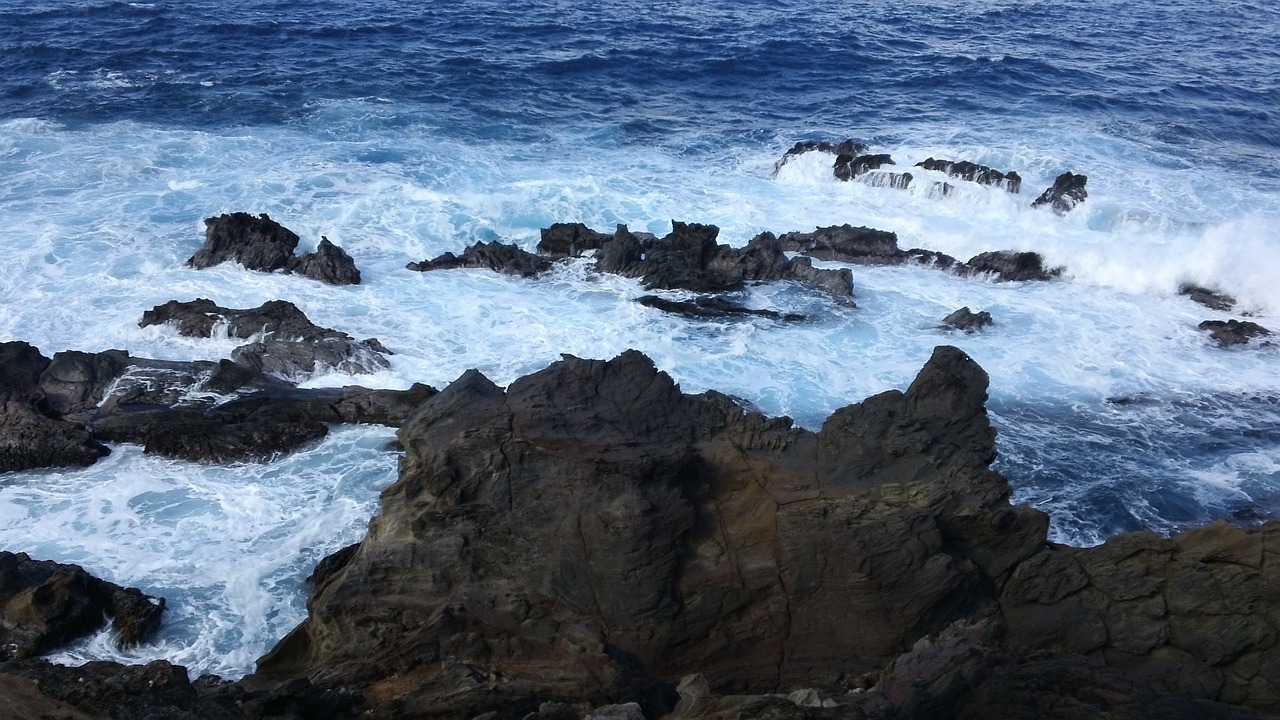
(286, 343)
(29, 436)
(563, 240)
(896, 181)
(592, 512)
(495, 256)
(260, 243)
(848, 147)
(967, 320)
(845, 243)
(1066, 192)
(328, 264)
(848, 166)
(1010, 266)
(711, 307)
(689, 259)
(1209, 298)
(44, 604)
(974, 172)
(1233, 332)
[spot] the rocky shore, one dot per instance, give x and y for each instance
(591, 542)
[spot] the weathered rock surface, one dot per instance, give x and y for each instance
(61, 410)
(1209, 298)
(1228, 333)
(260, 243)
(1010, 266)
(44, 604)
(563, 240)
(712, 307)
(29, 437)
(495, 256)
(285, 342)
(1066, 192)
(974, 172)
(848, 166)
(847, 147)
(967, 320)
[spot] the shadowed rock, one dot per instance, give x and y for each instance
(1010, 266)
(29, 436)
(44, 604)
(848, 167)
(712, 307)
(1209, 298)
(1066, 192)
(563, 240)
(974, 172)
(967, 320)
(845, 243)
(495, 256)
(1228, 333)
(260, 243)
(847, 147)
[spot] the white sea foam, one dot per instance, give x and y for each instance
(100, 220)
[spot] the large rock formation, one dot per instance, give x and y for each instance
(260, 243)
(29, 436)
(44, 604)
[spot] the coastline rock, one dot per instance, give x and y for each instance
(592, 530)
(849, 166)
(495, 256)
(260, 243)
(1209, 298)
(44, 604)
(563, 240)
(967, 320)
(892, 180)
(712, 307)
(974, 172)
(845, 243)
(1228, 333)
(847, 147)
(29, 437)
(286, 343)
(1011, 266)
(1066, 192)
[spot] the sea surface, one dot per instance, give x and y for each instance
(404, 130)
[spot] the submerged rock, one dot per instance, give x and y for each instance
(895, 181)
(1209, 298)
(495, 256)
(1066, 192)
(967, 320)
(1233, 332)
(45, 604)
(847, 147)
(712, 307)
(260, 243)
(1011, 266)
(848, 166)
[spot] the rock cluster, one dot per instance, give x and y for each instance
(1228, 333)
(260, 243)
(974, 172)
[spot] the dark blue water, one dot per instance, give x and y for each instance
(1179, 75)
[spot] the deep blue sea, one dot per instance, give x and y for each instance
(403, 130)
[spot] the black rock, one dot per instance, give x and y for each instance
(328, 264)
(1233, 332)
(896, 181)
(31, 436)
(848, 147)
(848, 166)
(967, 320)
(974, 172)
(1010, 266)
(495, 256)
(845, 243)
(712, 307)
(1066, 192)
(1209, 298)
(563, 240)
(260, 243)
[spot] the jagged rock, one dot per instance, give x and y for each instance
(328, 264)
(895, 181)
(29, 437)
(260, 243)
(974, 172)
(44, 604)
(847, 147)
(495, 256)
(689, 259)
(1010, 266)
(591, 527)
(849, 166)
(286, 343)
(845, 243)
(1209, 298)
(1066, 192)
(563, 240)
(1233, 332)
(967, 320)
(712, 307)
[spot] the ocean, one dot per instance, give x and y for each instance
(404, 130)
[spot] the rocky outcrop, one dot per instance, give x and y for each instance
(563, 240)
(1208, 298)
(974, 172)
(62, 410)
(712, 307)
(847, 147)
(892, 180)
(849, 166)
(966, 320)
(45, 604)
(260, 243)
(1228, 333)
(591, 531)
(1010, 266)
(845, 243)
(285, 342)
(1066, 192)
(495, 256)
